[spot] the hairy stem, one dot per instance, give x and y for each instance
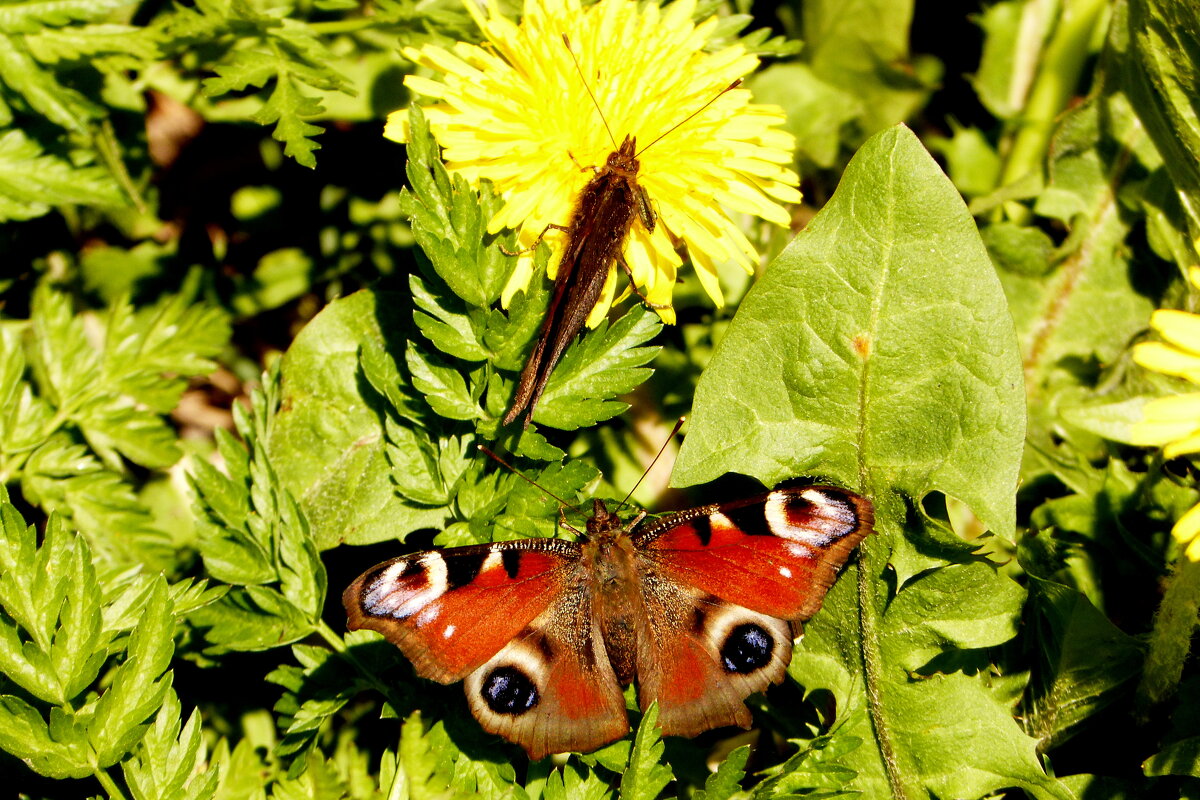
(868, 623)
(1171, 638)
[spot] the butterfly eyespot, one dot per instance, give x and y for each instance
(508, 690)
(747, 649)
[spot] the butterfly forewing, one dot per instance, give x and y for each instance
(777, 553)
(450, 611)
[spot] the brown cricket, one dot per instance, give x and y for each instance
(603, 216)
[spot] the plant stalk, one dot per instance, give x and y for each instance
(1171, 638)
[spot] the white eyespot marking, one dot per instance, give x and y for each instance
(785, 572)
(446, 634)
(824, 523)
(388, 596)
(427, 615)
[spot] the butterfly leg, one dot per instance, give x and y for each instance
(551, 227)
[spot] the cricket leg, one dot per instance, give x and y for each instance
(636, 290)
(536, 242)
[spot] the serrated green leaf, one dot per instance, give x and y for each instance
(576, 782)
(445, 324)
(31, 182)
(443, 387)
(647, 775)
(602, 364)
(139, 685)
(302, 578)
(253, 618)
(414, 466)
(427, 769)
(878, 340)
(727, 780)
(23, 732)
(287, 107)
(164, 764)
(81, 41)
(449, 221)
(32, 17)
(327, 442)
(41, 89)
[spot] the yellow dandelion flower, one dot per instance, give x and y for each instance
(1173, 423)
(515, 111)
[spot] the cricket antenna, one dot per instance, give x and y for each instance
(528, 480)
(674, 431)
(688, 118)
(596, 103)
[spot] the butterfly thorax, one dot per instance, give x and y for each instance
(610, 562)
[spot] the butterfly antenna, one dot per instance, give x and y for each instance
(674, 431)
(528, 480)
(689, 117)
(588, 89)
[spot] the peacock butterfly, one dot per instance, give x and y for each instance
(701, 607)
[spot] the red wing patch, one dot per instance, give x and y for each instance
(776, 554)
(450, 611)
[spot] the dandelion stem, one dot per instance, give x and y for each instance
(1055, 85)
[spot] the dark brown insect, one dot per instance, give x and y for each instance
(603, 217)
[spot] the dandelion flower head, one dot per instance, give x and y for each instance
(515, 111)
(1173, 422)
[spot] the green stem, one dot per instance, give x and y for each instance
(868, 624)
(110, 786)
(339, 646)
(1171, 638)
(1054, 87)
(105, 140)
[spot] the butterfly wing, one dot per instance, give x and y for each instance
(515, 620)
(450, 611)
(725, 587)
(552, 688)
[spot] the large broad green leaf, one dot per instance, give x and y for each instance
(328, 441)
(876, 351)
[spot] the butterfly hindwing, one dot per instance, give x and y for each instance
(552, 689)
(702, 657)
(450, 611)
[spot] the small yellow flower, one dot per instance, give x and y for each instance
(516, 112)
(1173, 423)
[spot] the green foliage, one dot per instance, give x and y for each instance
(217, 370)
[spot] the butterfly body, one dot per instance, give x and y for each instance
(600, 224)
(700, 608)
